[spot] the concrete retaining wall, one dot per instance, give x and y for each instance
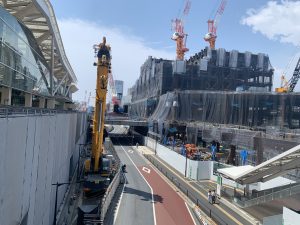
(36, 151)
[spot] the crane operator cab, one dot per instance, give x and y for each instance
(103, 50)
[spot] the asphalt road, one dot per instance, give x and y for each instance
(136, 205)
(140, 204)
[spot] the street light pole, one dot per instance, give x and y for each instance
(155, 144)
(78, 161)
(132, 140)
(55, 206)
(185, 162)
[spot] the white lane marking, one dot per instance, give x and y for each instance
(130, 151)
(147, 170)
(190, 213)
(153, 208)
(118, 207)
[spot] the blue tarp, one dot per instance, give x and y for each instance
(172, 129)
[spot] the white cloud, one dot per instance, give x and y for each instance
(277, 21)
(128, 53)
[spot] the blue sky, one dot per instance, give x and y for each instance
(138, 28)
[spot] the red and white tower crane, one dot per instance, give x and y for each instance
(113, 92)
(211, 36)
(179, 35)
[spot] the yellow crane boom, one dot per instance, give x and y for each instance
(103, 69)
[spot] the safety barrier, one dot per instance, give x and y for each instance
(110, 192)
(109, 195)
(13, 111)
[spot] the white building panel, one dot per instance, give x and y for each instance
(35, 152)
(290, 217)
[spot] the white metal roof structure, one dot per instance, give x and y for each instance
(39, 17)
(267, 170)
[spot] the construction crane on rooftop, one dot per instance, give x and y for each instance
(114, 97)
(289, 86)
(179, 35)
(211, 36)
(84, 103)
(88, 101)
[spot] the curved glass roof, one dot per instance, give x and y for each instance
(39, 17)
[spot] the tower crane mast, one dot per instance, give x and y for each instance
(179, 35)
(113, 92)
(211, 36)
(295, 78)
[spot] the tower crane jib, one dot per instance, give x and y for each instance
(211, 36)
(179, 35)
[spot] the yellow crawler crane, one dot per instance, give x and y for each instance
(95, 174)
(103, 68)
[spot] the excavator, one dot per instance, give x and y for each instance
(97, 168)
(289, 86)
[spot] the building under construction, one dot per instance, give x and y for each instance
(218, 88)
(208, 70)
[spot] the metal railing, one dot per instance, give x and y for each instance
(110, 192)
(268, 195)
(14, 111)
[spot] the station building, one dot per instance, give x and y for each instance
(34, 69)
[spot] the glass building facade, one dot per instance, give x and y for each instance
(22, 65)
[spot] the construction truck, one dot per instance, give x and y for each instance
(98, 166)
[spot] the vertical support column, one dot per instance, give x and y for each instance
(42, 102)
(5, 95)
(50, 103)
(258, 146)
(28, 100)
(247, 190)
(52, 66)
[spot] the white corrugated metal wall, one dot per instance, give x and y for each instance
(34, 153)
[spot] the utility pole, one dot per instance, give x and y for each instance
(132, 140)
(185, 162)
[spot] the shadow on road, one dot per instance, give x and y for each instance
(146, 195)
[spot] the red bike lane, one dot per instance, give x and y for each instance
(170, 208)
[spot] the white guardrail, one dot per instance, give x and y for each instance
(111, 190)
